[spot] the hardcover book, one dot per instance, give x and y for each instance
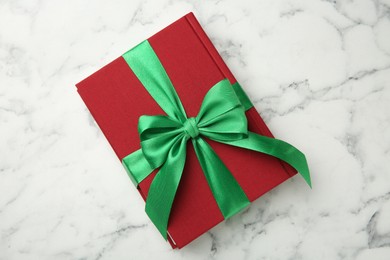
(116, 99)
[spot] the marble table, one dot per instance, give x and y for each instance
(317, 71)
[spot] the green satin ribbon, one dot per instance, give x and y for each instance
(164, 139)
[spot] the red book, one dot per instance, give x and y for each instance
(116, 99)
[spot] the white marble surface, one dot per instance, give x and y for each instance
(319, 72)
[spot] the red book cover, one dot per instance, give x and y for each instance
(116, 99)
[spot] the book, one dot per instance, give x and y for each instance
(116, 99)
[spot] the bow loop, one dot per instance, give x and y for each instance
(221, 115)
(158, 134)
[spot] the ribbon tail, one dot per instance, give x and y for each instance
(163, 189)
(277, 148)
(227, 192)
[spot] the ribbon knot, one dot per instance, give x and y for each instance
(190, 127)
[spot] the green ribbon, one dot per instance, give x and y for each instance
(164, 139)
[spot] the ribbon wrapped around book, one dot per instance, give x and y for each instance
(164, 139)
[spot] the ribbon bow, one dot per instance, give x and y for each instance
(164, 139)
